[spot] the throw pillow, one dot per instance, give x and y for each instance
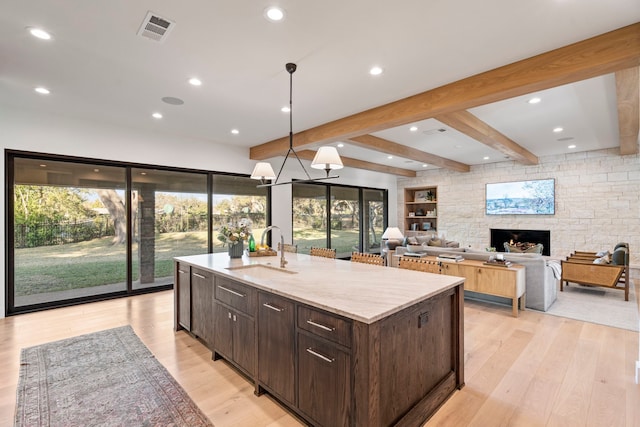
(602, 260)
(435, 242)
(412, 240)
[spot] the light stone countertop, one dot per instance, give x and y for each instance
(362, 292)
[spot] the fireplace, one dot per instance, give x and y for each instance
(500, 235)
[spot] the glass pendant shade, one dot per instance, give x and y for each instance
(262, 171)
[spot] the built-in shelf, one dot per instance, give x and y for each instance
(420, 210)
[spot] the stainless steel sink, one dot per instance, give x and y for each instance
(261, 267)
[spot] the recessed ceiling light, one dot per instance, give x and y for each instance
(534, 100)
(156, 115)
(43, 166)
(96, 170)
(195, 81)
(375, 71)
(235, 131)
(39, 33)
(485, 158)
(425, 165)
(571, 146)
(340, 145)
(389, 157)
(558, 129)
(42, 90)
(285, 109)
(143, 173)
(413, 128)
(274, 14)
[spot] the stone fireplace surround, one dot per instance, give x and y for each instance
(501, 235)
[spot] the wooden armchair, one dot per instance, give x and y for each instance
(323, 252)
(579, 268)
(366, 258)
(419, 264)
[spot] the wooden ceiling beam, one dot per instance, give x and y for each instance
(603, 54)
(628, 96)
(382, 145)
(465, 122)
(361, 164)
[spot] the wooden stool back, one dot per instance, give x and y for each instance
(419, 264)
(323, 252)
(365, 258)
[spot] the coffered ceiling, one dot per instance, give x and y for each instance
(460, 72)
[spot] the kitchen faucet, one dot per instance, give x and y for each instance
(283, 261)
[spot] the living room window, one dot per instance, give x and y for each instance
(340, 217)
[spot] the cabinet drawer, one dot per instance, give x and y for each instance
(202, 274)
(325, 325)
(236, 295)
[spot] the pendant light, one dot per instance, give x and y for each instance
(326, 158)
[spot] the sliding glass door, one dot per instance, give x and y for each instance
(169, 219)
(82, 229)
(344, 218)
(69, 231)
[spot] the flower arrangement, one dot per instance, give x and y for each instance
(230, 234)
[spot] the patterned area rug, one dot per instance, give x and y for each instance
(597, 304)
(107, 378)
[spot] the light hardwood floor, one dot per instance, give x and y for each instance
(534, 370)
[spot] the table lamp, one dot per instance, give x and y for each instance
(393, 236)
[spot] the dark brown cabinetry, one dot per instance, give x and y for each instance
(182, 283)
(234, 328)
(324, 381)
(276, 345)
(329, 369)
(202, 305)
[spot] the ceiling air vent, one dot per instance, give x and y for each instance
(434, 131)
(155, 27)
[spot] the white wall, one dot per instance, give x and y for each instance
(51, 134)
(597, 201)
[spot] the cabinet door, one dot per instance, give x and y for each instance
(223, 332)
(460, 270)
(276, 351)
(244, 342)
(497, 281)
(183, 289)
(202, 305)
(323, 382)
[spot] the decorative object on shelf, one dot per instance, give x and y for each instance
(414, 226)
(235, 236)
(420, 212)
(326, 158)
(421, 196)
(393, 236)
(426, 226)
(412, 214)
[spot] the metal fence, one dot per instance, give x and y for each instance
(51, 234)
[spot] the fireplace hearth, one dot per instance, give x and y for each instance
(501, 235)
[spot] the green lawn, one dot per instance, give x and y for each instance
(99, 262)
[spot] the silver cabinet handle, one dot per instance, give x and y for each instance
(181, 271)
(199, 275)
(229, 315)
(272, 307)
(321, 356)
(232, 291)
(318, 325)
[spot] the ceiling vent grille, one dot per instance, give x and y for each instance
(155, 27)
(434, 131)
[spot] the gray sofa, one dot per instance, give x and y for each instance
(542, 275)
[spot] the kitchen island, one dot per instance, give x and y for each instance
(338, 343)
